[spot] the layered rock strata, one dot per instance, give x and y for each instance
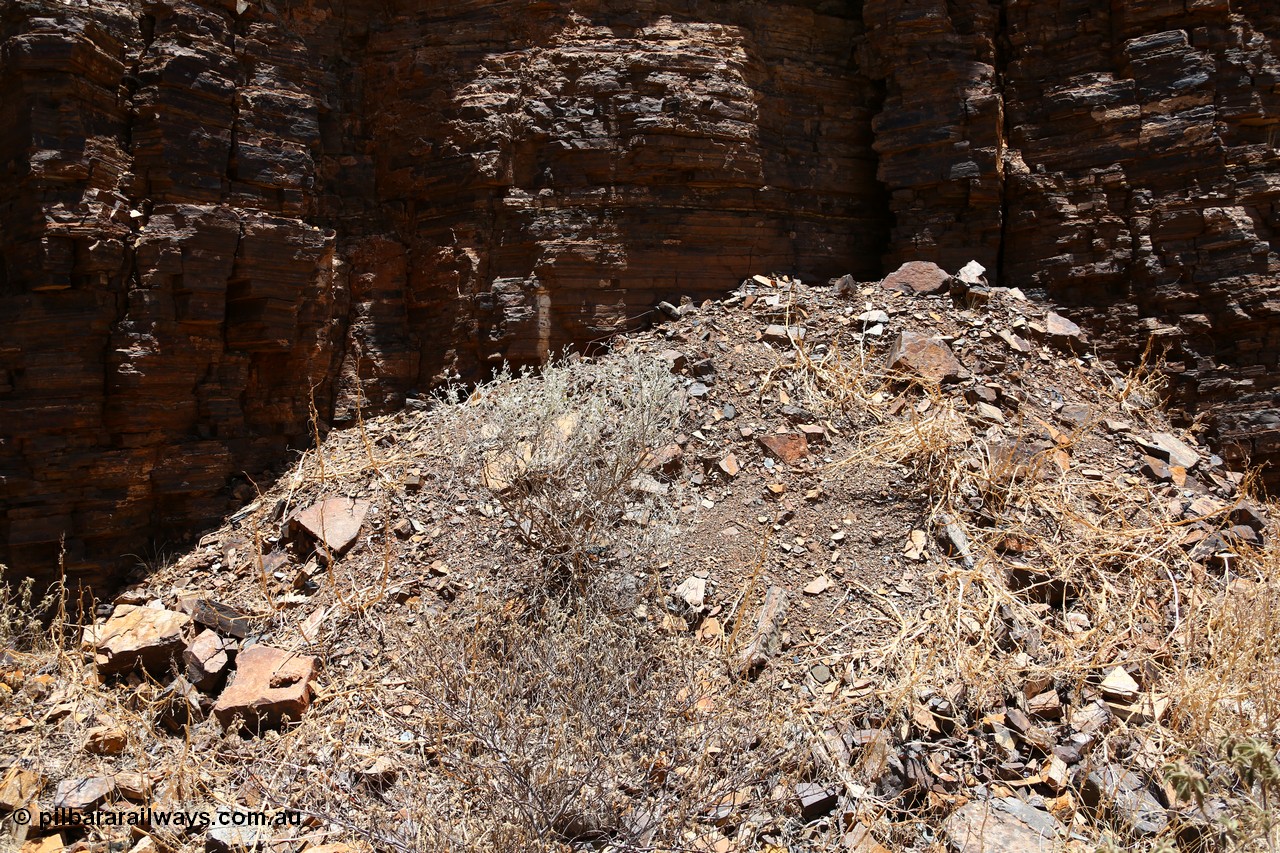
(220, 216)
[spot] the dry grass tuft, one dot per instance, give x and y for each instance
(1053, 580)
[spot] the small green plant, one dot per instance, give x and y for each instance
(1248, 782)
(1187, 782)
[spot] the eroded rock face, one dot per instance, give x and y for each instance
(215, 214)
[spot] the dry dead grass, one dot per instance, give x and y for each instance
(1062, 579)
(522, 721)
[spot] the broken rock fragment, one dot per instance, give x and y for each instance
(666, 459)
(921, 278)
(19, 787)
(729, 465)
(226, 836)
(783, 334)
(1170, 448)
(138, 637)
(269, 684)
(332, 524)
(787, 447)
(106, 740)
(1062, 332)
(206, 659)
(816, 799)
(931, 360)
(973, 274)
(216, 615)
(1002, 825)
(674, 360)
(83, 794)
(1123, 793)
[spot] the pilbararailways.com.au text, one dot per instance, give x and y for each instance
(177, 819)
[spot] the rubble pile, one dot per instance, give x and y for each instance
(937, 577)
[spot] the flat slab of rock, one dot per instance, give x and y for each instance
(1002, 825)
(931, 360)
(1061, 331)
(815, 799)
(134, 637)
(47, 844)
(19, 787)
(776, 334)
(922, 278)
(787, 447)
(220, 617)
(235, 839)
(1170, 448)
(1128, 799)
(269, 684)
(83, 794)
(334, 523)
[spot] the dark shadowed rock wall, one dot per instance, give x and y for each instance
(215, 214)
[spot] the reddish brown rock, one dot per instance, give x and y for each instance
(666, 459)
(106, 740)
(19, 787)
(206, 659)
(138, 637)
(928, 359)
(218, 213)
(920, 278)
(269, 685)
(787, 447)
(83, 794)
(1062, 332)
(332, 524)
(729, 465)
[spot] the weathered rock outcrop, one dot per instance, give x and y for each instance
(1143, 184)
(219, 214)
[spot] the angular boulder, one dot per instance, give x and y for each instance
(933, 361)
(921, 278)
(206, 659)
(138, 637)
(1002, 825)
(333, 524)
(269, 685)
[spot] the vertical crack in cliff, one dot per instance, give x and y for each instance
(664, 152)
(1002, 49)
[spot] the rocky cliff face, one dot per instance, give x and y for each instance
(218, 214)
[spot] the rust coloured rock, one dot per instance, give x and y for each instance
(332, 524)
(206, 659)
(787, 447)
(138, 637)
(269, 685)
(928, 359)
